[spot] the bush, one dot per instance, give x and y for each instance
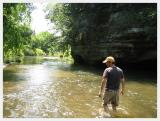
(39, 52)
(29, 52)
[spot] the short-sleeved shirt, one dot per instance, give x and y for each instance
(114, 75)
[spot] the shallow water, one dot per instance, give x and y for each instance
(52, 88)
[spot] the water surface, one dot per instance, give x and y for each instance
(41, 87)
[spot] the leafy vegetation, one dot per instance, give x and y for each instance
(16, 26)
(20, 40)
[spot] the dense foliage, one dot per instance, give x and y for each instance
(59, 15)
(16, 28)
(20, 40)
(41, 44)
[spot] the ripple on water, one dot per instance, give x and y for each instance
(50, 90)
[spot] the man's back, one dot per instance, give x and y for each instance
(114, 75)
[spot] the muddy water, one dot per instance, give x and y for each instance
(52, 88)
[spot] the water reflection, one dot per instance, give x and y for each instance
(37, 75)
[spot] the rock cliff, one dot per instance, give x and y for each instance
(126, 31)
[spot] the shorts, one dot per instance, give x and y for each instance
(111, 96)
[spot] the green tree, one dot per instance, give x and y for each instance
(59, 14)
(45, 42)
(16, 26)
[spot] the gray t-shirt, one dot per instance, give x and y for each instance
(114, 75)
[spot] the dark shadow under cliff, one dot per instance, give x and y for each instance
(143, 69)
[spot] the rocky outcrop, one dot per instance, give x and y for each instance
(126, 31)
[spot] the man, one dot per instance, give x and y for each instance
(112, 77)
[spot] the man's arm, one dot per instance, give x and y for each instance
(103, 82)
(123, 85)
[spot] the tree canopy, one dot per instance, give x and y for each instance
(16, 26)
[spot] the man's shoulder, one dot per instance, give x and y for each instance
(108, 69)
(118, 68)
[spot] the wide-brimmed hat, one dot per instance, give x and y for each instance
(109, 58)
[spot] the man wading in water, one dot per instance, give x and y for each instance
(112, 77)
